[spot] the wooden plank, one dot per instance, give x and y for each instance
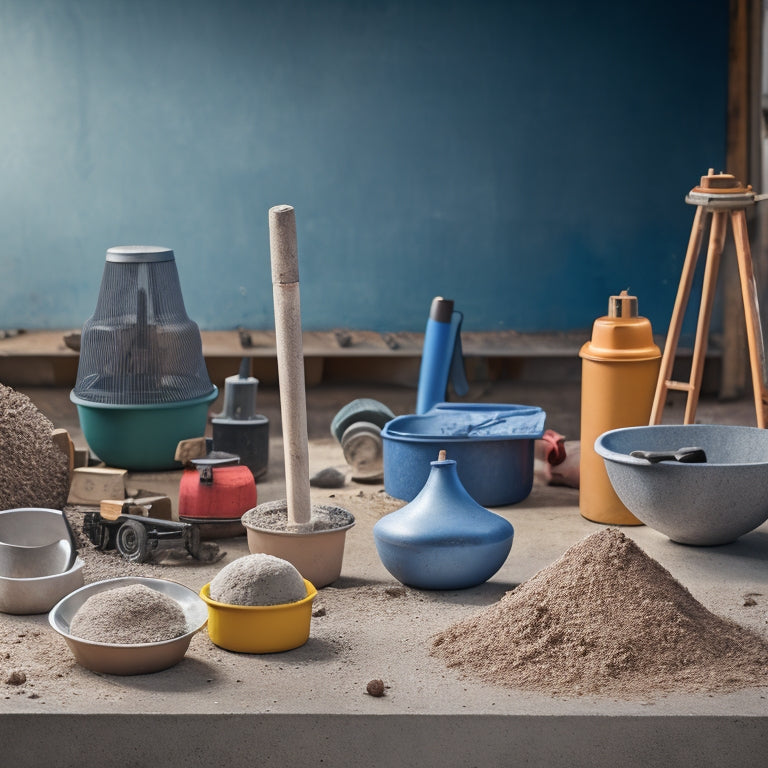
(322, 344)
(36, 344)
(733, 377)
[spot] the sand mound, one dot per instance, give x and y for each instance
(129, 616)
(258, 579)
(33, 471)
(604, 619)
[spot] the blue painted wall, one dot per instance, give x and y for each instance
(525, 159)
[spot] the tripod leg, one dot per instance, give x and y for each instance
(678, 313)
(715, 251)
(752, 314)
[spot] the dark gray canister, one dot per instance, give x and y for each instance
(238, 428)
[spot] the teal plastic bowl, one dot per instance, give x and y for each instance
(141, 437)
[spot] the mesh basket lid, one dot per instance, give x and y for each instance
(139, 347)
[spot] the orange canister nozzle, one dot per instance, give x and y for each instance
(620, 368)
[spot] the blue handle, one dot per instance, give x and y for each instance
(441, 357)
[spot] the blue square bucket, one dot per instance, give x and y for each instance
(491, 443)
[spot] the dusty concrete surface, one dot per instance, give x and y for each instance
(309, 706)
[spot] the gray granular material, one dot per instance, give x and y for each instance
(129, 615)
(605, 619)
(273, 516)
(33, 472)
(258, 579)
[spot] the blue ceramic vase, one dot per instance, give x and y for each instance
(443, 539)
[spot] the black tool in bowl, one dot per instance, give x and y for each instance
(681, 455)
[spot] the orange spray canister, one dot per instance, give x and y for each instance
(620, 368)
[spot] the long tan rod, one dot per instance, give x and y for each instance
(290, 362)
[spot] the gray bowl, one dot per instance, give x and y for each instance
(139, 658)
(702, 504)
(39, 594)
(33, 562)
(34, 542)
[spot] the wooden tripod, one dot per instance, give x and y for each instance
(723, 198)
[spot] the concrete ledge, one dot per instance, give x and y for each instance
(396, 741)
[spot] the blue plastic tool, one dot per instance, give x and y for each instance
(443, 539)
(441, 357)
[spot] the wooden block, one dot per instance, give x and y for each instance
(194, 448)
(63, 442)
(136, 509)
(82, 457)
(92, 484)
(111, 509)
(156, 506)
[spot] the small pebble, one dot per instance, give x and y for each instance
(16, 678)
(328, 478)
(375, 688)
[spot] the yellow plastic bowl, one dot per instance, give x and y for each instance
(259, 628)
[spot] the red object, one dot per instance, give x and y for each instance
(552, 447)
(230, 494)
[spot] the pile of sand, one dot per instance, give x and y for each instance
(33, 471)
(604, 619)
(258, 579)
(129, 616)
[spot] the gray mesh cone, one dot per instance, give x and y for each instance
(139, 347)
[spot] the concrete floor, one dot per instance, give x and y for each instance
(309, 706)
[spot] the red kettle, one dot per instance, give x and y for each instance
(216, 489)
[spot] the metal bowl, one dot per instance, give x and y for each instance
(123, 659)
(702, 504)
(40, 594)
(34, 542)
(34, 562)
